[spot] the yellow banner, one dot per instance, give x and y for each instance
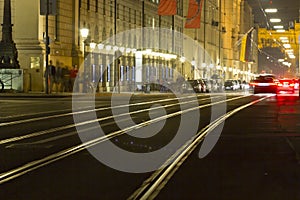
(243, 48)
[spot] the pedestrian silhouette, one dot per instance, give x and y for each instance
(49, 76)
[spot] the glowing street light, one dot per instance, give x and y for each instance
(278, 27)
(84, 32)
(271, 10)
(93, 45)
(283, 38)
(275, 20)
(287, 46)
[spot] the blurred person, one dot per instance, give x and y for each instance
(65, 79)
(49, 76)
(73, 75)
(59, 78)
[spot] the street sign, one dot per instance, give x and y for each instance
(52, 7)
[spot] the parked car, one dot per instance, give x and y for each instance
(191, 86)
(211, 85)
(202, 85)
(245, 85)
(230, 85)
(239, 84)
(208, 85)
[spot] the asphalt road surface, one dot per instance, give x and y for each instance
(150, 146)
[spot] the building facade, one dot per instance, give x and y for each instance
(149, 51)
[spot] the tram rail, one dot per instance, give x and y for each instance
(36, 164)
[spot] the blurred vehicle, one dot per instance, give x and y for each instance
(239, 84)
(208, 84)
(286, 85)
(297, 84)
(231, 85)
(251, 84)
(218, 82)
(211, 85)
(245, 85)
(191, 86)
(265, 83)
(202, 85)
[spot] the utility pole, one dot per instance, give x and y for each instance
(47, 47)
(204, 41)
(47, 7)
(117, 53)
(220, 30)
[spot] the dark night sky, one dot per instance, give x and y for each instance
(288, 11)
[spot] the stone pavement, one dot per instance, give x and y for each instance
(69, 94)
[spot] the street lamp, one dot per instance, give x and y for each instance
(84, 32)
(94, 78)
(93, 45)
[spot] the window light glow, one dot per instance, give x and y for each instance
(283, 38)
(274, 20)
(278, 27)
(285, 41)
(271, 10)
(289, 50)
(292, 56)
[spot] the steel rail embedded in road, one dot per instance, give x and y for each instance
(33, 119)
(33, 165)
(61, 128)
(153, 185)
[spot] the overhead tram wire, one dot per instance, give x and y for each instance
(264, 13)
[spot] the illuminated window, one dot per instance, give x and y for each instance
(101, 73)
(148, 73)
(127, 73)
(35, 62)
(122, 73)
(108, 73)
(133, 73)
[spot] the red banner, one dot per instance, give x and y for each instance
(193, 19)
(167, 7)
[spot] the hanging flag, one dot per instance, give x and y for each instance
(193, 19)
(246, 54)
(243, 48)
(167, 7)
(249, 46)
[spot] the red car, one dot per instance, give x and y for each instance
(286, 85)
(265, 83)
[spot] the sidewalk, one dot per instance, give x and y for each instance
(70, 94)
(34, 94)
